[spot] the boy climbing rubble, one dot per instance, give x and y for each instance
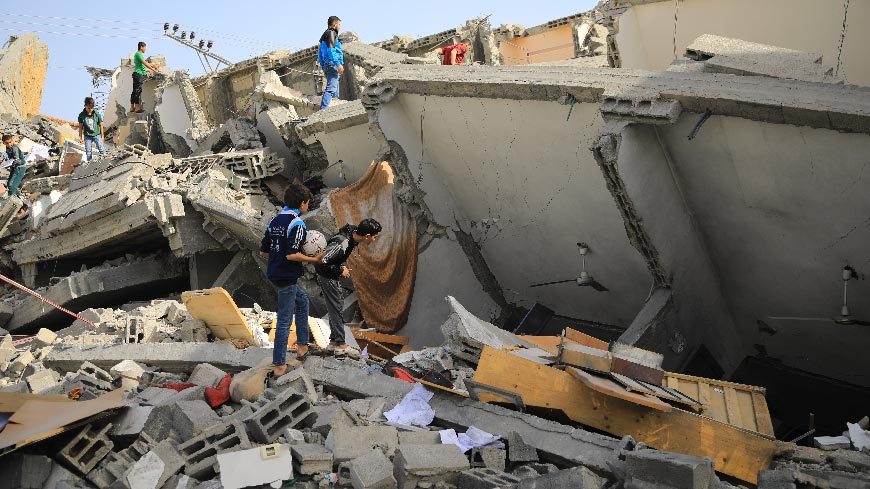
(331, 268)
(13, 159)
(282, 243)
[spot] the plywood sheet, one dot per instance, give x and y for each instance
(216, 308)
(384, 272)
(585, 339)
(735, 451)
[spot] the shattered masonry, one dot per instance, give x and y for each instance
(713, 181)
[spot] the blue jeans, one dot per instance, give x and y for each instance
(292, 301)
(331, 90)
(89, 141)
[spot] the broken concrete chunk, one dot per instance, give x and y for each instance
(311, 459)
(44, 337)
(519, 450)
(21, 362)
(43, 380)
(192, 417)
(372, 471)
(428, 464)
(832, 442)
(356, 441)
(128, 368)
(206, 374)
(677, 469)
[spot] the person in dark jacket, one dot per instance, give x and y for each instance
(331, 59)
(332, 267)
(282, 243)
(14, 158)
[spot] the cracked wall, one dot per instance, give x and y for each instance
(22, 76)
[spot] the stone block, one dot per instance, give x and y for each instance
(23, 471)
(415, 464)
(372, 471)
(200, 452)
(830, 442)
(128, 368)
(130, 421)
(193, 331)
(575, 478)
(87, 449)
(519, 450)
(277, 411)
(206, 374)
(677, 469)
(44, 337)
(176, 313)
(486, 478)
(326, 415)
(21, 362)
(491, 458)
(112, 471)
(776, 479)
(419, 438)
(311, 459)
(191, 417)
(300, 381)
(43, 380)
(356, 441)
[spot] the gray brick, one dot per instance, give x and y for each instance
(191, 417)
(206, 374)
(491, 458)
(200, 452)
(278, 411)
(679, 470)
(356, 441)
(311, 459)
(575, 478)
(87, 449)
(372, 471)
(414, 464)
(485, 478)
(518, 450)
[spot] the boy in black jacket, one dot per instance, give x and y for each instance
(283, 245)
(331, 267)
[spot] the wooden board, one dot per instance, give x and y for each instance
(735, 451)
(381, 344)
(608, 387)
(738, 404)
(635, 370)
(549, 344)
(654, 390)
(584, 339)
(584, 357)
(217, 309)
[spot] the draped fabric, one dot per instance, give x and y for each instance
(384, 271)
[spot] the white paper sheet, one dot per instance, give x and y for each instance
(414, 408)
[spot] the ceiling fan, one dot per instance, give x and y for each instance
(845, 316)
(584, 280)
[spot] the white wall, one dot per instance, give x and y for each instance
(783, 209)
(646, 32)
(174, 118)
(355, 146)
(521, 163)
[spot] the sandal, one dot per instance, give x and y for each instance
(301, 358)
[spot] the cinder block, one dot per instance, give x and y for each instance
(200, 452)
(191, 417)
(206, 374)
(485, 478)
(21, 362)
(23, 471)
(575, 478)
(518, 450)
(298, 380)
(193, 331)
(491, 458)
(43, 380)
(415, 464)
(311, 459)
(678, 470)
(277, 412)
(87, 449)
(130, 422)
(112, 471)
(356, 441)
(372, 471)
(44, 337)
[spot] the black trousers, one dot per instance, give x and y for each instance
(334, 295)
(138, 81)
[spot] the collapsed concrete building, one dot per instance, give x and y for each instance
(707, 175)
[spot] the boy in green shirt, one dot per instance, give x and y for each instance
(91, 128)
(139, 75)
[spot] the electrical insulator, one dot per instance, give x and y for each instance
(192, 35)
(209, 44)
(174, 28)
(166, 26)
(201, 43)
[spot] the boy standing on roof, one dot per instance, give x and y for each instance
(139, 75)
(283, 245)
(91, 128)
(331, 59)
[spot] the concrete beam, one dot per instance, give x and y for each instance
(822, 105)
(98, 288)
(333, 118)
(171, 357)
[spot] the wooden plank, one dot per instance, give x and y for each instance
(655, 391)
(549, 344)
(584, 357)
(736, 452)
(388, 339)
(718, 383)
(762, 414)
(611, 388)
(733, 407)
(217, 309)
(584, 339)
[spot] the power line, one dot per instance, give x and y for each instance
(45, 24)
(88, 34)
(78, 18)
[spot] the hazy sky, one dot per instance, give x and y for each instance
(100, 34)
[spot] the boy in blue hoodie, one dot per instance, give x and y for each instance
(282, 243)
(331, 59)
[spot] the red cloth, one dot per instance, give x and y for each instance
(217, 396)
(460, 53)
(178, 387)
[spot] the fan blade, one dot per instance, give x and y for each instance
(858, 322)
(597, 286)
(786, 318)
(556, 282)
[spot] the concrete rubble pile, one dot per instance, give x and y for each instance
(112, 377)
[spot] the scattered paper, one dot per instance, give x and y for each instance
(414, 408)
(37, 152)
(474, 437)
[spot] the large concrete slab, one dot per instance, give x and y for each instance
(171, 357)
